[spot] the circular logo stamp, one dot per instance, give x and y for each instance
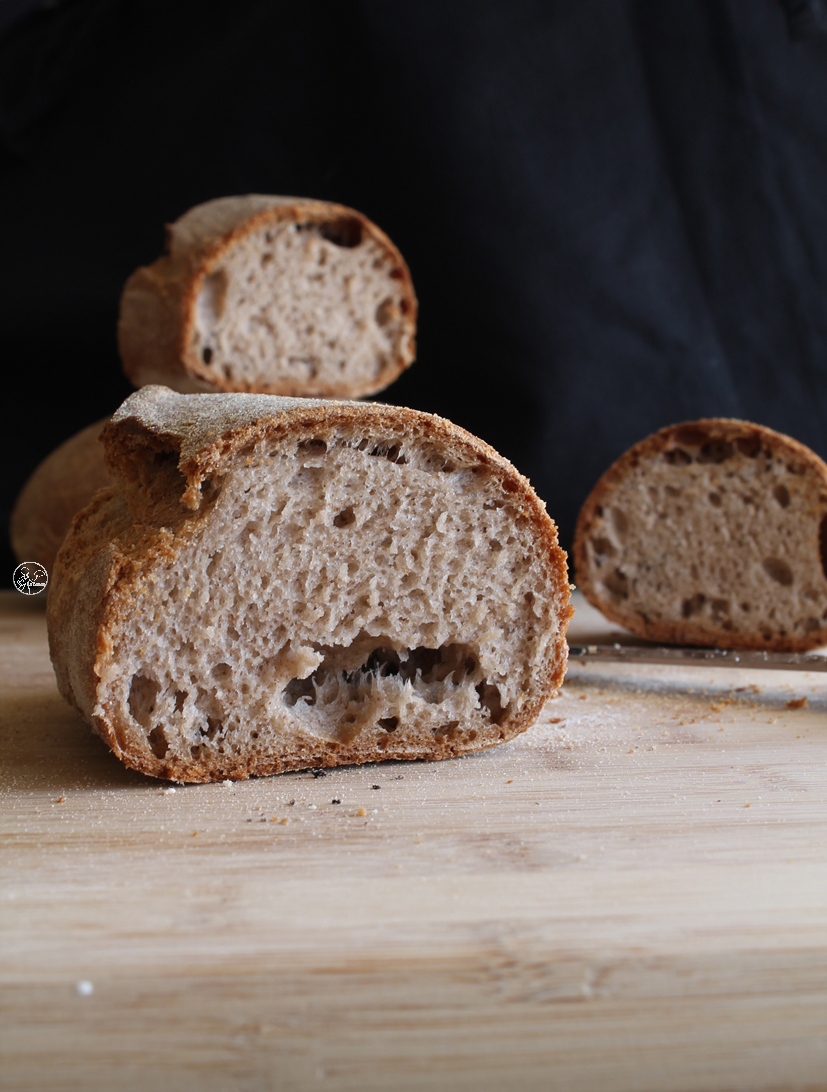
(30, 578)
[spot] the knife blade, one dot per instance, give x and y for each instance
(697, 657)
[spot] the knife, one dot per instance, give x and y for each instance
(697, 657)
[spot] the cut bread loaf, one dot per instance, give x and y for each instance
(61, 485)
(270, 294)
(279, 584)
(712, 532)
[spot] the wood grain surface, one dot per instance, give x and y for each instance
(631, 896)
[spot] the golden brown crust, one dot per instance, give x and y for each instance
(748, 438)
(104, 564)
(158, 303)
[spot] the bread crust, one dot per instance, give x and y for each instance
(158, 303)
(57, 489)
(746, 437)
(164, 458)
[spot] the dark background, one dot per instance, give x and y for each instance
(614, 211)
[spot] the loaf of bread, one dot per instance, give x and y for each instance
(61, 485)
(275, 295)
(278, 584)
(712, 532)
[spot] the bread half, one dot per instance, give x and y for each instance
(279, 583)
(712, 532)
(278, 295)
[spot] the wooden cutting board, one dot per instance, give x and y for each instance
(632, 895)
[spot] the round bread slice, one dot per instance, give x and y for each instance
(712, 532)
(60, 486)
(278, 584)
(279, 295)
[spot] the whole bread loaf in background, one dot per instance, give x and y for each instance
(712, 532)
(278, 583)
(58, 488)
(278, 295)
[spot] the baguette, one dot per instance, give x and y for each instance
(712, 532)
(277, 584)
(57, 489)
(270, 294)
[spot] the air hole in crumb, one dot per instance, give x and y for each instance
(344, 232)
(602, 546)
(719, 608)
(213, 728)
(180, 698)
(619, 521)
(617, 583)
(143, 693)
(693, 605)
(715, 500)
(715, 451)
(222, 672)
(385, 450)
(314, 446)
(778, 570)
(676, 456)
(266, 258)
(822, 544)
(449, 730)
(782, 495)
(336, 688)
(206, 354)
(344, 518)
(491, 701)
(749, 445)
(158, 742)
(212, 298)
(385, 312)
(390, 724)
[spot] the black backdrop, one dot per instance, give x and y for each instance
(615, 211)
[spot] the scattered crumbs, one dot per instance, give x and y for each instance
(263, 819)
(399, 777)
(311, 807)
(227, 783)
(583, 697)
(84, 988)
(62, 799)
(631, 751)
(249, 820)
(290, 803)
(195, 834)
(335, 800)
(510, 781)
(747, 805)
(376, 786)
(556, 720)
(168, 792)
(319, 773)
(361, 811)
(797, 703)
